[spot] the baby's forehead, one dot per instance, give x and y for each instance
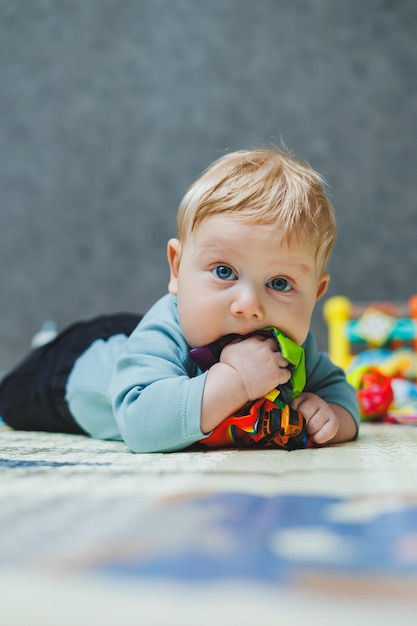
(228, 224)
(221, 233)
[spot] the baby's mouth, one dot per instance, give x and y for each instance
(206, 356)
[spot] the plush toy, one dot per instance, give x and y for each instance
(269, 422)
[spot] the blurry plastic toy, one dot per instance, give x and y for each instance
(353, 327)
(374, 392)
(404, 408)
(377, 347)
(269, 422)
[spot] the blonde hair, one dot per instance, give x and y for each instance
(262, 186)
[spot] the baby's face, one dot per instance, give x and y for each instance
(231, 277)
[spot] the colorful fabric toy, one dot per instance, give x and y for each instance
(269, 422)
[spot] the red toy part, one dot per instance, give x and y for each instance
(261, 424)
(375, 394)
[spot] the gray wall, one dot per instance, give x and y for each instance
(110, 108)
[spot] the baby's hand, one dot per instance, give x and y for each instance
(326, 422)
(258, 363)
(322, 422)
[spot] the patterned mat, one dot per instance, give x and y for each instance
(100, 528)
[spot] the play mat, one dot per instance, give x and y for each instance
(91, 533)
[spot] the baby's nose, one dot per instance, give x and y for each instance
(248, 304)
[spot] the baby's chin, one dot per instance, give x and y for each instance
(197, 342)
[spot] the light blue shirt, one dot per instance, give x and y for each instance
(146, 390)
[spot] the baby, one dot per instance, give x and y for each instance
(255, 232)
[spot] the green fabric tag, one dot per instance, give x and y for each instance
(295, 356)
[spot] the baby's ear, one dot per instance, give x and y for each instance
(174, 256)
(323, 285)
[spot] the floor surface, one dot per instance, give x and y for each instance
(89, 531)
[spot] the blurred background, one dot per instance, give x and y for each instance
(109, 109)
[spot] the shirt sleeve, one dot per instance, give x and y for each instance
(329, 381)
(156, 390)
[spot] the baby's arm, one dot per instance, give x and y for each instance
(155, 392)
(248, 370)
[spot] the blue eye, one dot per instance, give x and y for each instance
(279, 284)
(224, 272)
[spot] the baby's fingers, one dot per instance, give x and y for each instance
(322, 424)
(320, 429)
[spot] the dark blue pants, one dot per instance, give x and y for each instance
(32, 395)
